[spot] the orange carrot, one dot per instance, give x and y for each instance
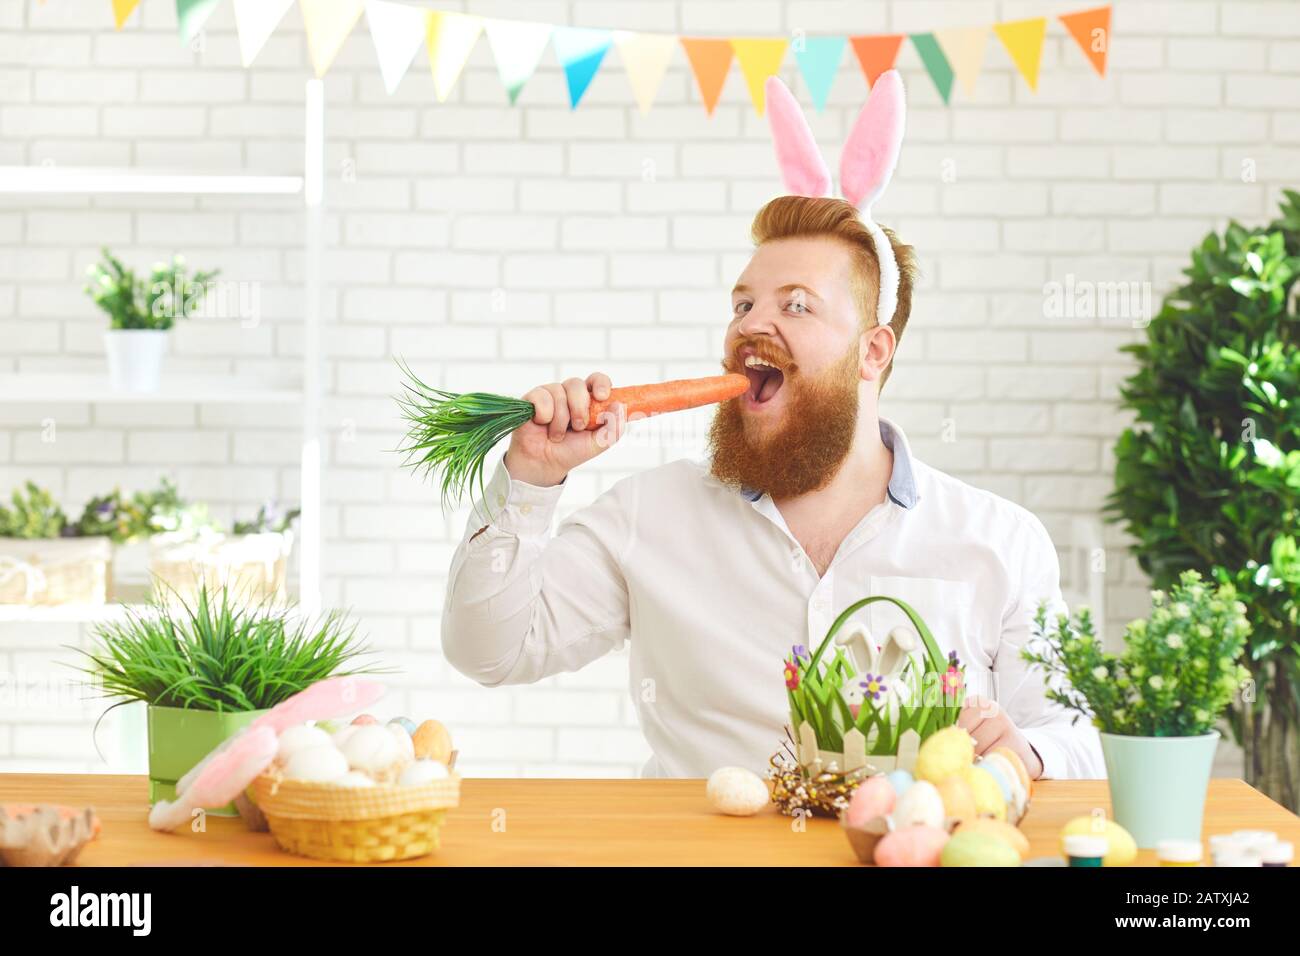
(669, 396)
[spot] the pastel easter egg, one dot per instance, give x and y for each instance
(1123, 848)
(405, 723)
(900, 780)
(1013, 758)
(998, 774)
(329, 726)
(299, 737)
(1018, 798)
(874, 797)
(422, 772)
(972, 848)
(958, 801)
(362, 719)
(912, 846)
(432, 741)
(944, 753)
(372, 749)
(1002, 831)
(920, 806)
(405, 746)
(736, 791)
(988, 794)
(316, 764)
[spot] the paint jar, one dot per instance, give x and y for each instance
(1084, 849)
(1179, 852)
(1277, 854)
(1236, 856)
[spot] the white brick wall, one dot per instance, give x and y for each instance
(498, 246)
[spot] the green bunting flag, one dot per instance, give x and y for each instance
(936, 64)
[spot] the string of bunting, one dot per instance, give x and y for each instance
(400, 30)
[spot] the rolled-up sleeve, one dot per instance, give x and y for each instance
(1065, 741)
(524, 603)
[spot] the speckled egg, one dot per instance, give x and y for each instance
(988, 795)
(1002, 831)
(736, 791)
(911, 846)
(920, 806)
(978, 849)
(958, 801)
(944, 753)
(874, 797)
(1123, 849)
(900, 780)
(432, 741)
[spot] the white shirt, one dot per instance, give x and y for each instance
(712, 590)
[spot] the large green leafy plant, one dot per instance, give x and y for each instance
(153, 303)
(1209, 475)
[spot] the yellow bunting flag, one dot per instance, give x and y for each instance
(1024, 41)
(450, 38)
(255, 21)
(965, 52)
(759, 58)
(327, 24)
(121, 10)
(1091, 30)
(710, 60)
(645, 57)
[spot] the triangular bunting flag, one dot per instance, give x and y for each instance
(518, 46)
(121, 10)
(965, 52)
(397, 32)
(580, 52)
(759, 58)
(191, 15)
(450, 39)
(936, 64)
(1024, 41)
(1091, 30)
(327, 24)
(255, 20)
(645, 57)
(710, 60)
(819, 60)
(876, 54)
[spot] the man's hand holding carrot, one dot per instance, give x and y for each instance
(543, 451)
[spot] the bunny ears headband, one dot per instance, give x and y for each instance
(866, 165)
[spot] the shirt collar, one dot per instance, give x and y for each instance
(902, 481)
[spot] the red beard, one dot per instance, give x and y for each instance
(803, 450)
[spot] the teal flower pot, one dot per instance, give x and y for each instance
(1158, 784)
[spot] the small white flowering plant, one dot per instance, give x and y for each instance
(1178, 671)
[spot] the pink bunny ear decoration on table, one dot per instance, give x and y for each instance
(866, 165)
(331, 697)
(225, 775)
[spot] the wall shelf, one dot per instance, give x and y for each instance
(81, 180)
(27, 388)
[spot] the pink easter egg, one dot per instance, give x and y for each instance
(911, 846)
(874, 797)
(365, 719)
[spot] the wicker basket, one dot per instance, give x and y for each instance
(253, 566)
(355, 825)
(55, 571)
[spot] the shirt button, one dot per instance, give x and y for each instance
(526, 509)
(501, 499)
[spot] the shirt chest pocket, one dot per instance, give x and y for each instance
(949, 609)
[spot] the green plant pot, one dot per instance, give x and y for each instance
(179, 738)
(1158, 784)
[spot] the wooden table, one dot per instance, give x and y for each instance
(583, 822)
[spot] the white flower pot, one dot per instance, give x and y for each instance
(135, 358)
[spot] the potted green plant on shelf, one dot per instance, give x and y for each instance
(207, 668)
(140, 311)
(1208, 477)
(1155, 703)
(45, 559)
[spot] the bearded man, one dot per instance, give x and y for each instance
(809, 501)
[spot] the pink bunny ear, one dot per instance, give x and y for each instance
(802, 167)
(224, 776)
(331, 697)
(871, 151)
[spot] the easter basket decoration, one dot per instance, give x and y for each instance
(253, 566)
(55, 571)
(326, 821)
(865, 709)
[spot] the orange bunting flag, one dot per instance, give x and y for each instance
(1024, 42)
(710, 60)
(1091, 30)
(876, 54)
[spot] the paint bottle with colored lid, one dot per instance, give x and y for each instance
(1085, 849)
(1179, 852)
(1277, 854)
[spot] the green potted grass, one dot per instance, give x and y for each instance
(207, 667)
(1155, 703)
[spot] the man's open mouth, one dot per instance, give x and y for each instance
(765, 379)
